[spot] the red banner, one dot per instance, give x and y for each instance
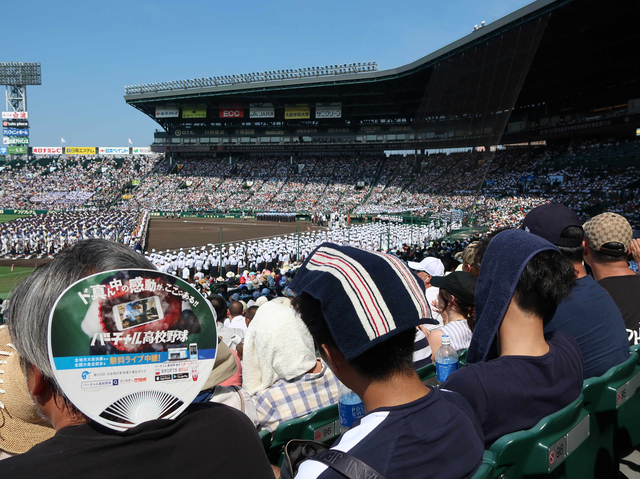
(46, 150)
(235, 111)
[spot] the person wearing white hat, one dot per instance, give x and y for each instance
(426, 269)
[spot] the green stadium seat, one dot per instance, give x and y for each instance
(322, 425)
(543, 449)
(628, 434)
(462, 357)
(603, 396)
(427, 374)
(488, 466)
(265, 437)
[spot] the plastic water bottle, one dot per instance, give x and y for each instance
(446, 360)
(350, 408)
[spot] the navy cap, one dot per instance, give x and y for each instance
(366, 297)
(549, 221)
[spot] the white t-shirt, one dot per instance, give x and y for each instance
(238, 322)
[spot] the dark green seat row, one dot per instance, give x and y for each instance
(581, 440)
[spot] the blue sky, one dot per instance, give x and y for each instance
(90, 50)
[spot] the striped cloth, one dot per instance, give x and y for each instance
(421, 351)
(459, 333)
(290, 399)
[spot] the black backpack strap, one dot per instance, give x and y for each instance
(346, 464)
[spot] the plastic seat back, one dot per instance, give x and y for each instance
(427, 374)
(628, 434)
(544, 448)
(322, 425)
(488, 466)
(462, 357)
(603, 393)
(603, 396)
(265, 437)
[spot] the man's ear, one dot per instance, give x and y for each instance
(333, 357)
(36, 382)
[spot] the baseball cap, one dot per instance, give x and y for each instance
(366, 297)
(459, 283)
(549, 221)
(608, 233)
(469, 254)
(430, 265)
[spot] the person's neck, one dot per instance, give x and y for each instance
(69, 421)
(454, 316)
(521, 334)
(607, 270)
(579, 267)
(397, 390)
(317, 367)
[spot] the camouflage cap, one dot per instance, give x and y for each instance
(608, 233)
(469, 255)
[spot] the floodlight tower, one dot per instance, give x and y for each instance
(16, 76)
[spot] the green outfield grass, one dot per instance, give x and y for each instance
(8, 278)
(5, 218)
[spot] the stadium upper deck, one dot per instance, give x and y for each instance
(553, 69)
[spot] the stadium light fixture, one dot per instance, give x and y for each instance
(267, 75)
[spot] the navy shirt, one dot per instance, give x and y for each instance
(512, 393)
(436, 436)
(592, 318)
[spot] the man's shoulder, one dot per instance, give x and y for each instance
(627, 280)
(93, 443)
(392, 439)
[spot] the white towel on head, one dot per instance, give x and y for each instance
(277, 346)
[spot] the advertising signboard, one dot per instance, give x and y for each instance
(298, 112)
(3, 150)
(110, 150)
(17, 150)
(194, 112)
(46, 150)
(167, 112)
(145, 150)
(261, 111)
(15, 132)
(80, 150)
(15, 115)
(329, 111)
(7, 140)
(231, 111)
(15, 124)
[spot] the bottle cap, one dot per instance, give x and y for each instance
(445, 340)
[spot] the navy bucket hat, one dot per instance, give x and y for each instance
(366, 297)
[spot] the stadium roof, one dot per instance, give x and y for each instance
(552, 58)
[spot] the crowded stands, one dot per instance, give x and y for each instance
(532, 314)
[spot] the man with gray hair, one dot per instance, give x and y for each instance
(84, 448)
